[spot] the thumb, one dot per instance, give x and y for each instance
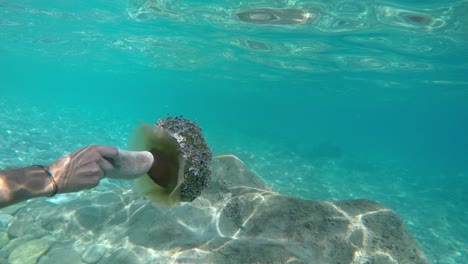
(133, 164)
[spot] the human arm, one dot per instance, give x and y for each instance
(24, 183)
(83, 169)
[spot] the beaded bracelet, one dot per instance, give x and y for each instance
(54, 184)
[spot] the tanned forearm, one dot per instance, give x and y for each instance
(17, 185)
(80, 170)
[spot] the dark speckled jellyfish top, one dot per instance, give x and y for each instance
(196, 153)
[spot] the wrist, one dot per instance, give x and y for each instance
(40, 183)
(53, 183)
(24, 183)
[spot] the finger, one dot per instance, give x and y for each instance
(106, 167)
(92, 182)
(111, 154)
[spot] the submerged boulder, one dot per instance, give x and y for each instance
(238, 219)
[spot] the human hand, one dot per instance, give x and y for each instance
(84, 168)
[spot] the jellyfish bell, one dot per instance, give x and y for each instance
(181, 157)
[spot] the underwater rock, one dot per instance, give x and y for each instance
(93, 254)
(122, 255)
(4, 239)
(59, 255)
(6, 250)
(238, 219)
(276, 16)
(28, 252)
(90, 217)
(13, 209)
(18, 226)
(252, 224)
(5, 220)
(236, 174)
(23, 224)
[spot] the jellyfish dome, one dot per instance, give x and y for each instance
(180, 170)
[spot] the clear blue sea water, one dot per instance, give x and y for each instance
(361, 99)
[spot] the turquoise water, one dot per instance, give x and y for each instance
(365, 99)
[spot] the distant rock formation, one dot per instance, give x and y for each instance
(237, 219)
